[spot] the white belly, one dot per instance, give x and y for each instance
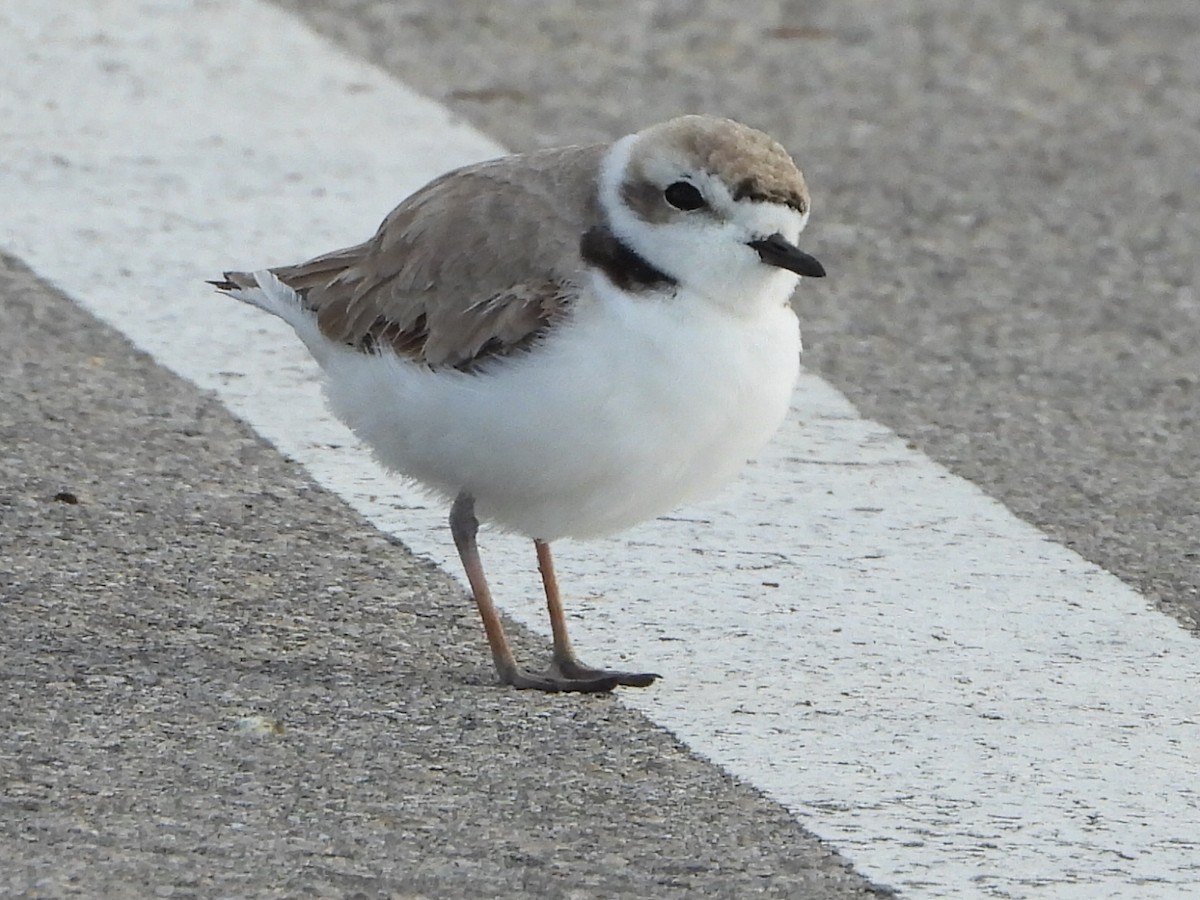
(636, 406)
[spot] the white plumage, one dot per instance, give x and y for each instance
(628, 410)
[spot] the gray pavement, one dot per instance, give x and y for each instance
(1005, 198)
(218, 681)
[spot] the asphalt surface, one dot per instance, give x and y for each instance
(200, 650)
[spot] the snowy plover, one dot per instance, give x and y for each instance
(566, 342)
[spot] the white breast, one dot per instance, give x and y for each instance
(634, 406)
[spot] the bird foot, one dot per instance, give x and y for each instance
(573, 668)
(571, 676)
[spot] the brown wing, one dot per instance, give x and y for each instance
(473, 265)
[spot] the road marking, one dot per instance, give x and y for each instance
(961, 706)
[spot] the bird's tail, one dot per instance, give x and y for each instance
(265, 290)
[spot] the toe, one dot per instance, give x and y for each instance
(601, 683)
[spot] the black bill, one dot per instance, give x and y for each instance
(778, 251)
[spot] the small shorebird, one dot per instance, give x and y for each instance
(567, 342)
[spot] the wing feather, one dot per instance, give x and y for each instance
(476, 264)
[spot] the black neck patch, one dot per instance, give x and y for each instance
(601, 248)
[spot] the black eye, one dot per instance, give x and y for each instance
(682, 195)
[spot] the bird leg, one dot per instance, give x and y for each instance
(565, 662)
(464, 526)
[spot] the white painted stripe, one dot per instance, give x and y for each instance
(962, 706)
